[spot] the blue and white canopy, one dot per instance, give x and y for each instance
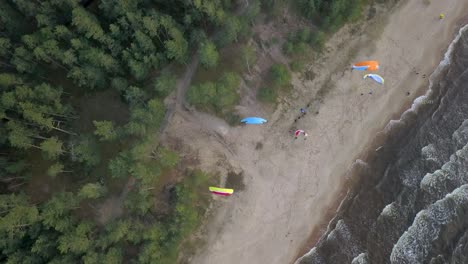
(375, 77)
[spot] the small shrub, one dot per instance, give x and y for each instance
(318, 39)
(297, 65)
(280, 75)
(267, 95)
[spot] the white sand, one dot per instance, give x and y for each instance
(291, 183)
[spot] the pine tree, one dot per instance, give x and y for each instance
(165, 84)
(208, 54)
(52, 147)
(92, 191)
(55, 169)
(105, 130)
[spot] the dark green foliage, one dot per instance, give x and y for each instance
(208, 54)
(220, 97)
(168, 158)
(280, 78)
(159, 240)
(318, 39)
(139, 202)
(120, 166)
(105, 130)
(86, 150)
(52, 148)
(144, 118)
(189, 197)
(297, 65)
(92, 191)
(298, 43)
(267, 94)
(331, 14)
(56, 212)
(165, 84)
(55, 169)
(58, 54)
(280, 75)
(231, 29)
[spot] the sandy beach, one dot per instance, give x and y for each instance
(292, 184)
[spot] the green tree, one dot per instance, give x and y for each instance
(267, 94)
(113, 256)
(86, 23)
(200, 95)
(138, 69)
(226, 90)
(156, 111)
(86, 150)
(77, 241)
(249, 56)
(16, 215)
(117, 231)
(19, 136)
(147, 172)
(232, 27)
(208, 54)
(318, 39)
(105, 130)
(120, 165)
(52, 147)
(139, 201)
(120, 84)
(134, 95)
(165, 84)
(151, 251)
(168, 158)
(8, 79)
(55, 169)
(56, 211)
(45, 245)
(176, 45)
(280, 75)
(92, 191)
(5, 47)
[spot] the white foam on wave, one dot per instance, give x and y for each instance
(419, 101)
(389, 210)
(415, 245)
(360, 259)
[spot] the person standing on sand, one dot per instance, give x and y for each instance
(298, 132)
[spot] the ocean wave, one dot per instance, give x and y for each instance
(360, 259)
(417, 244)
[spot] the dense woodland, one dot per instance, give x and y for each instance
(55, 56)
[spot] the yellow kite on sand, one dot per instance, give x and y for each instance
(221, 191)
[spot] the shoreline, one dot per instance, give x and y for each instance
(369, 155)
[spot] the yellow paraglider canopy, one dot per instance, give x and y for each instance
(441, 16)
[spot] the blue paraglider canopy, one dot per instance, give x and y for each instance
(253, 120)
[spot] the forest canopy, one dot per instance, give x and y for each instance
(82, 92)
(54, 57)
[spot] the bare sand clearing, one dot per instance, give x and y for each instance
(290, 184)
